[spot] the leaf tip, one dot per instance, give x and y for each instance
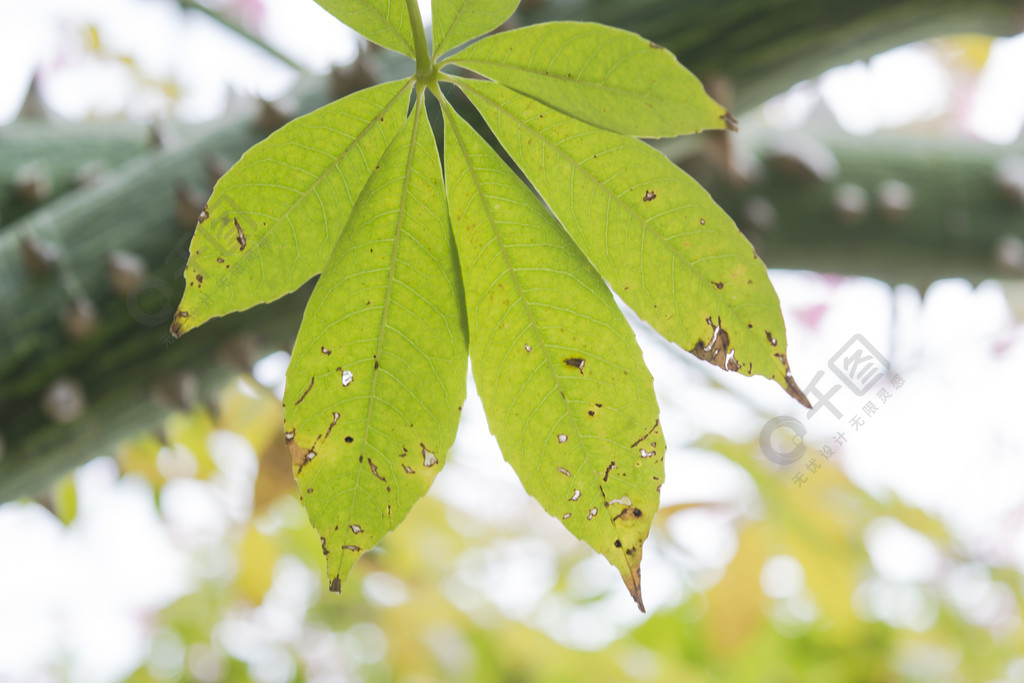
(793, 390)
(730, 122)
(179, 325)
(789, 384)
(632, 581)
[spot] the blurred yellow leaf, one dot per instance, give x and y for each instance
(91, 39)
(65, 499)
(138, 456)
(734, 610)
(967, 51)
(257, 558)
(192, 430)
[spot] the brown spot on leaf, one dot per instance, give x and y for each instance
(718, 285)
(349, 439)
(715, 351)
(204, 215)
(577, 363)
(429, 459)
(650, 196)
(334, 421)
(240, 236)
(373, 469)
(336, 584)
(324, 350)
(312, 381)
(300, 456)
(608, 470)
(353, 548)
(771, 340)
(644, 437)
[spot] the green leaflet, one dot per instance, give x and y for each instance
(274, 218)
(559, 371)
(456, 21)
(652, 231)
(378, 373)
(385, 22)
(605, 76)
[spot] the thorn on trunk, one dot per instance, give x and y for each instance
(190, 201)
(33, 183)
(38, 256)
(126, 272)
(349, 78)
(64, 400)
(273, 115)
(79, 319)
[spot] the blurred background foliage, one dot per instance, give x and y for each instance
(799, 601)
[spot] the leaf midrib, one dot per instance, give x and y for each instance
(386, 304)
(529, 313)
(390, 26)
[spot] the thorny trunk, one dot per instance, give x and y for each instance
(89, 279)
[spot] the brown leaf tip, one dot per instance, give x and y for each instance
(793, 390)
(177, 325)
(336, 584)
(730, 122)
(634, 589)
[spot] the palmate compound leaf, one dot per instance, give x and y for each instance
(557, 366)
(378, 373)
(456, 21)
(385, 22)
(653, 232)
(275, 216)
(605, 76)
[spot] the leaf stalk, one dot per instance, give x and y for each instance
(424, 65)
